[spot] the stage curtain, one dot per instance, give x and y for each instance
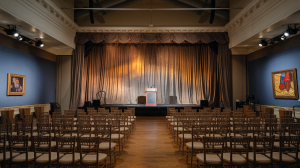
(123, 71)
(77, 71)
(191, 72)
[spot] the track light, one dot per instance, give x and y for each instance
(29, 41)
(290, 31)
(20, 38)
(272, 42)
(263, 42)
(12, 30)
(39, 43)
(283, 37)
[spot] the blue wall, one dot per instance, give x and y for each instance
(40, 77)
(260, 81)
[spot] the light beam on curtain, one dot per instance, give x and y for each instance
(123, 71)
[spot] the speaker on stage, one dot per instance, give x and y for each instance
(142, 100)
(173, 99)
(204, 103)
(96, 103)
(87, 104)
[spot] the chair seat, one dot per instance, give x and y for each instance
(260, 159)
(6, 143)
(257, 146)
(53, 144)
(213, 135)
(52, 134)
(116, 136)
(186, 136)
(7, 155)
(122, 129)
(22, 145)
(236, 158)
(210, 158)
(179, 129)
(68, 135)
(91, 159)
(22, 157)
(294, 155)
(105, 145)
(14, 133)
(285, 158)
(277, 145)
(197, 145)
(45, 157)
(87, 135)
(68, 158)
(33, 134)
(69, 146)
(232, 134)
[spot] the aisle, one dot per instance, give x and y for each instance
(151, 145)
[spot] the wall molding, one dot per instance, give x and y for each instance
(151, 29)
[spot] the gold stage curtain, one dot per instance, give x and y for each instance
(192, 72)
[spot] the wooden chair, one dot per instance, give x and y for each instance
(288, 154)
(116, 135)
(4, 152)
(233, 156)
(67, 146)
(84, 130)
(89, 152)
(262, 146)
(212, 152)
(20, 143)
(103, 131)
(43, 147)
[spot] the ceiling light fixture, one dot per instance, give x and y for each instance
(20, 38)
(291, 31)
(283, 37)
(263, 42)
(39, 43)
(12, 30)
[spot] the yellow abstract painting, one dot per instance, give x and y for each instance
(285, 84)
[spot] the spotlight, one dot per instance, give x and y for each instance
(283, 37)
(263, 42)
(12, 31)
(290, 31)
(20, 38)
(39, 43)
(29, 41)
(272, 42)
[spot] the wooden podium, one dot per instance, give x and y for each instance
(151, 96)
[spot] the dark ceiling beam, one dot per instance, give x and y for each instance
(180, 4)
(200, 4)
(103, 4)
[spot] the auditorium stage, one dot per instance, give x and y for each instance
(159, 110)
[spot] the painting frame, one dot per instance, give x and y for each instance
(295, 82)
(21, 90)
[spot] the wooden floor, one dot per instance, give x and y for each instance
(151, 145)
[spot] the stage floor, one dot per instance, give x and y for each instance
(143, 110)
(143, 105)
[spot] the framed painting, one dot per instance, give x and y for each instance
(15, 84)
(284, 84)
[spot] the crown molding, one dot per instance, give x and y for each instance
(151, 29)
(45, 16)
(258, 16)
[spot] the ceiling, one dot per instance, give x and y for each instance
(51, 45)
(143, 18)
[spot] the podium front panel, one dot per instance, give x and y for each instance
(150, 98)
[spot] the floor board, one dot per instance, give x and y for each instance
(151, 145)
